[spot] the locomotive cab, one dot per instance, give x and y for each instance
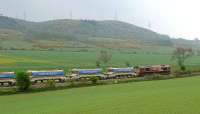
(155, 69)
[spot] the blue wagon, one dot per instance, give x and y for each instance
(86, 73)
(47, 75)
(7, 77)
(120, 72)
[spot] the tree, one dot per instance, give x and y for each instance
(94, 79)
(196, 40)
(98, 64)
(51, 84)
(105, 56)
(181, 54)
(127, 64)
(23, 81)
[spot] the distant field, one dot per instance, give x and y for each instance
(177, 96)
(15, 60)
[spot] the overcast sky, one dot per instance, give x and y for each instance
(177, 18)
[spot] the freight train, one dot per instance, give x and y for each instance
(80, 74)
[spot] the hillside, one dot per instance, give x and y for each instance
(15, 33)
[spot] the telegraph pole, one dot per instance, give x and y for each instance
(197, 40)
(24, 15)
(71, 15)
(1, 12)
(149, 25)
(16, 16)
(116, 15)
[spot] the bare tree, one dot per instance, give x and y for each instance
(198, 52)
(105, 56)
(180, 55)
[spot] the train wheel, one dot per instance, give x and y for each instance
(35, 82)
(61, 80)
(9, 83)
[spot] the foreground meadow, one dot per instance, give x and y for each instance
(177, 96)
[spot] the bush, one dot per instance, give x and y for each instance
(182, 73)
(128, 64)
(115, 81)
(183, 68)
(72, 82)
(51, 84)
(153, 77)
(94, 79)
(23, 81)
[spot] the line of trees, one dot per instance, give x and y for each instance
(180, 55)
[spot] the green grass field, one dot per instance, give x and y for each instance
(177, 96)
(12, 60)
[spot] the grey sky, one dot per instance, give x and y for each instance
(177, 18)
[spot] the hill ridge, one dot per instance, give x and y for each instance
(83, 33)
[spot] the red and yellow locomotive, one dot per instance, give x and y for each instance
(154, 69)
